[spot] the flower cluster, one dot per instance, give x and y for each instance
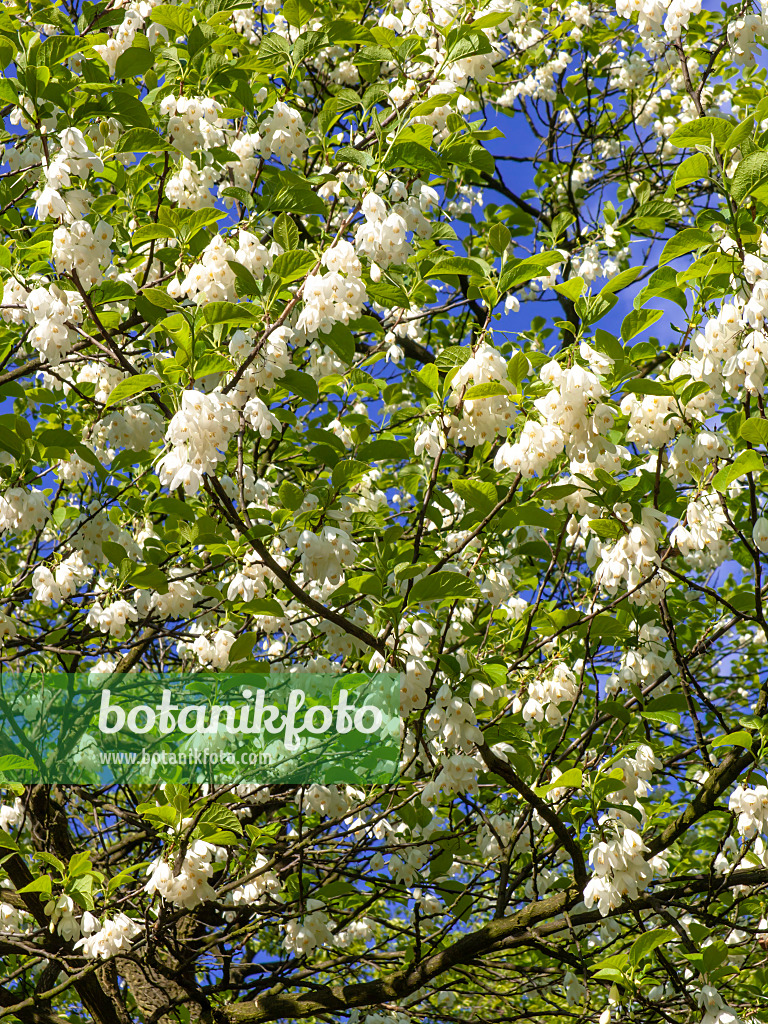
(282, 134)
(21, 509)
(654, 15)
(566, 422)
(53, 312)
(214, 652)
(114, 618)
(701, 540)
(199, 432)
(260, 887)
(122, 40)
(645, 663)
(213, 279)
(631, 559)
(73, 158)
(113, 937)
(337, 296)
(63, 582)
(304, 935)
(751, 804)
(559, 686)
(620, 870)
(383, 236)
(189, 886)
(482, 418)
(324, 555)
(83, 251)
(193, 122)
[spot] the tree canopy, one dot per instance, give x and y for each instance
(422, 338)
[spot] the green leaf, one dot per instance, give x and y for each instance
(666, 717)
(466, 41)
(246, 284)
(663, 285)
(300, 384)
(429, 377)
(414, 156)
(596, 307)
(606, 529)
(211, 362)
(132, 386)
(263, 606)
(342, 30)
(708, 265)
(341, 340)
(294, 198)
(693, 390)
(228, 313)
(488, 390)
(479, 494)
(56, 49)
(734, 739)
(222, 817)
(148, 577)
(499, 236)
(242, 648)
(646, 943)
(14, 763)
(455, 355)
(657, 209)
(621, 281)
(755, 430)
(460, 265)
(444, 585)
(290, 495)
(383, 448)
(244, 198)
(292, 265)
(685, 241)
(518, 368)
(745, 462)
(570, 779)
(388, 294)
(572, 289)
(646, 386)
(350, 155)
(143, 140)
(691, 169)
(347, 472)
(8, 91)
(274, 51)
(6, 842)
(81, 891)
(740, 134)
(297, 12)
(41, 884)
(11, 442)
(751, 172)
(200, 38)
(133, 61)
(518, 271)
(638, 320)
(702, 132)
(128, 109)
(179, 19)
(285, 232)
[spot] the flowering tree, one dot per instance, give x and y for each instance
(294, 371)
